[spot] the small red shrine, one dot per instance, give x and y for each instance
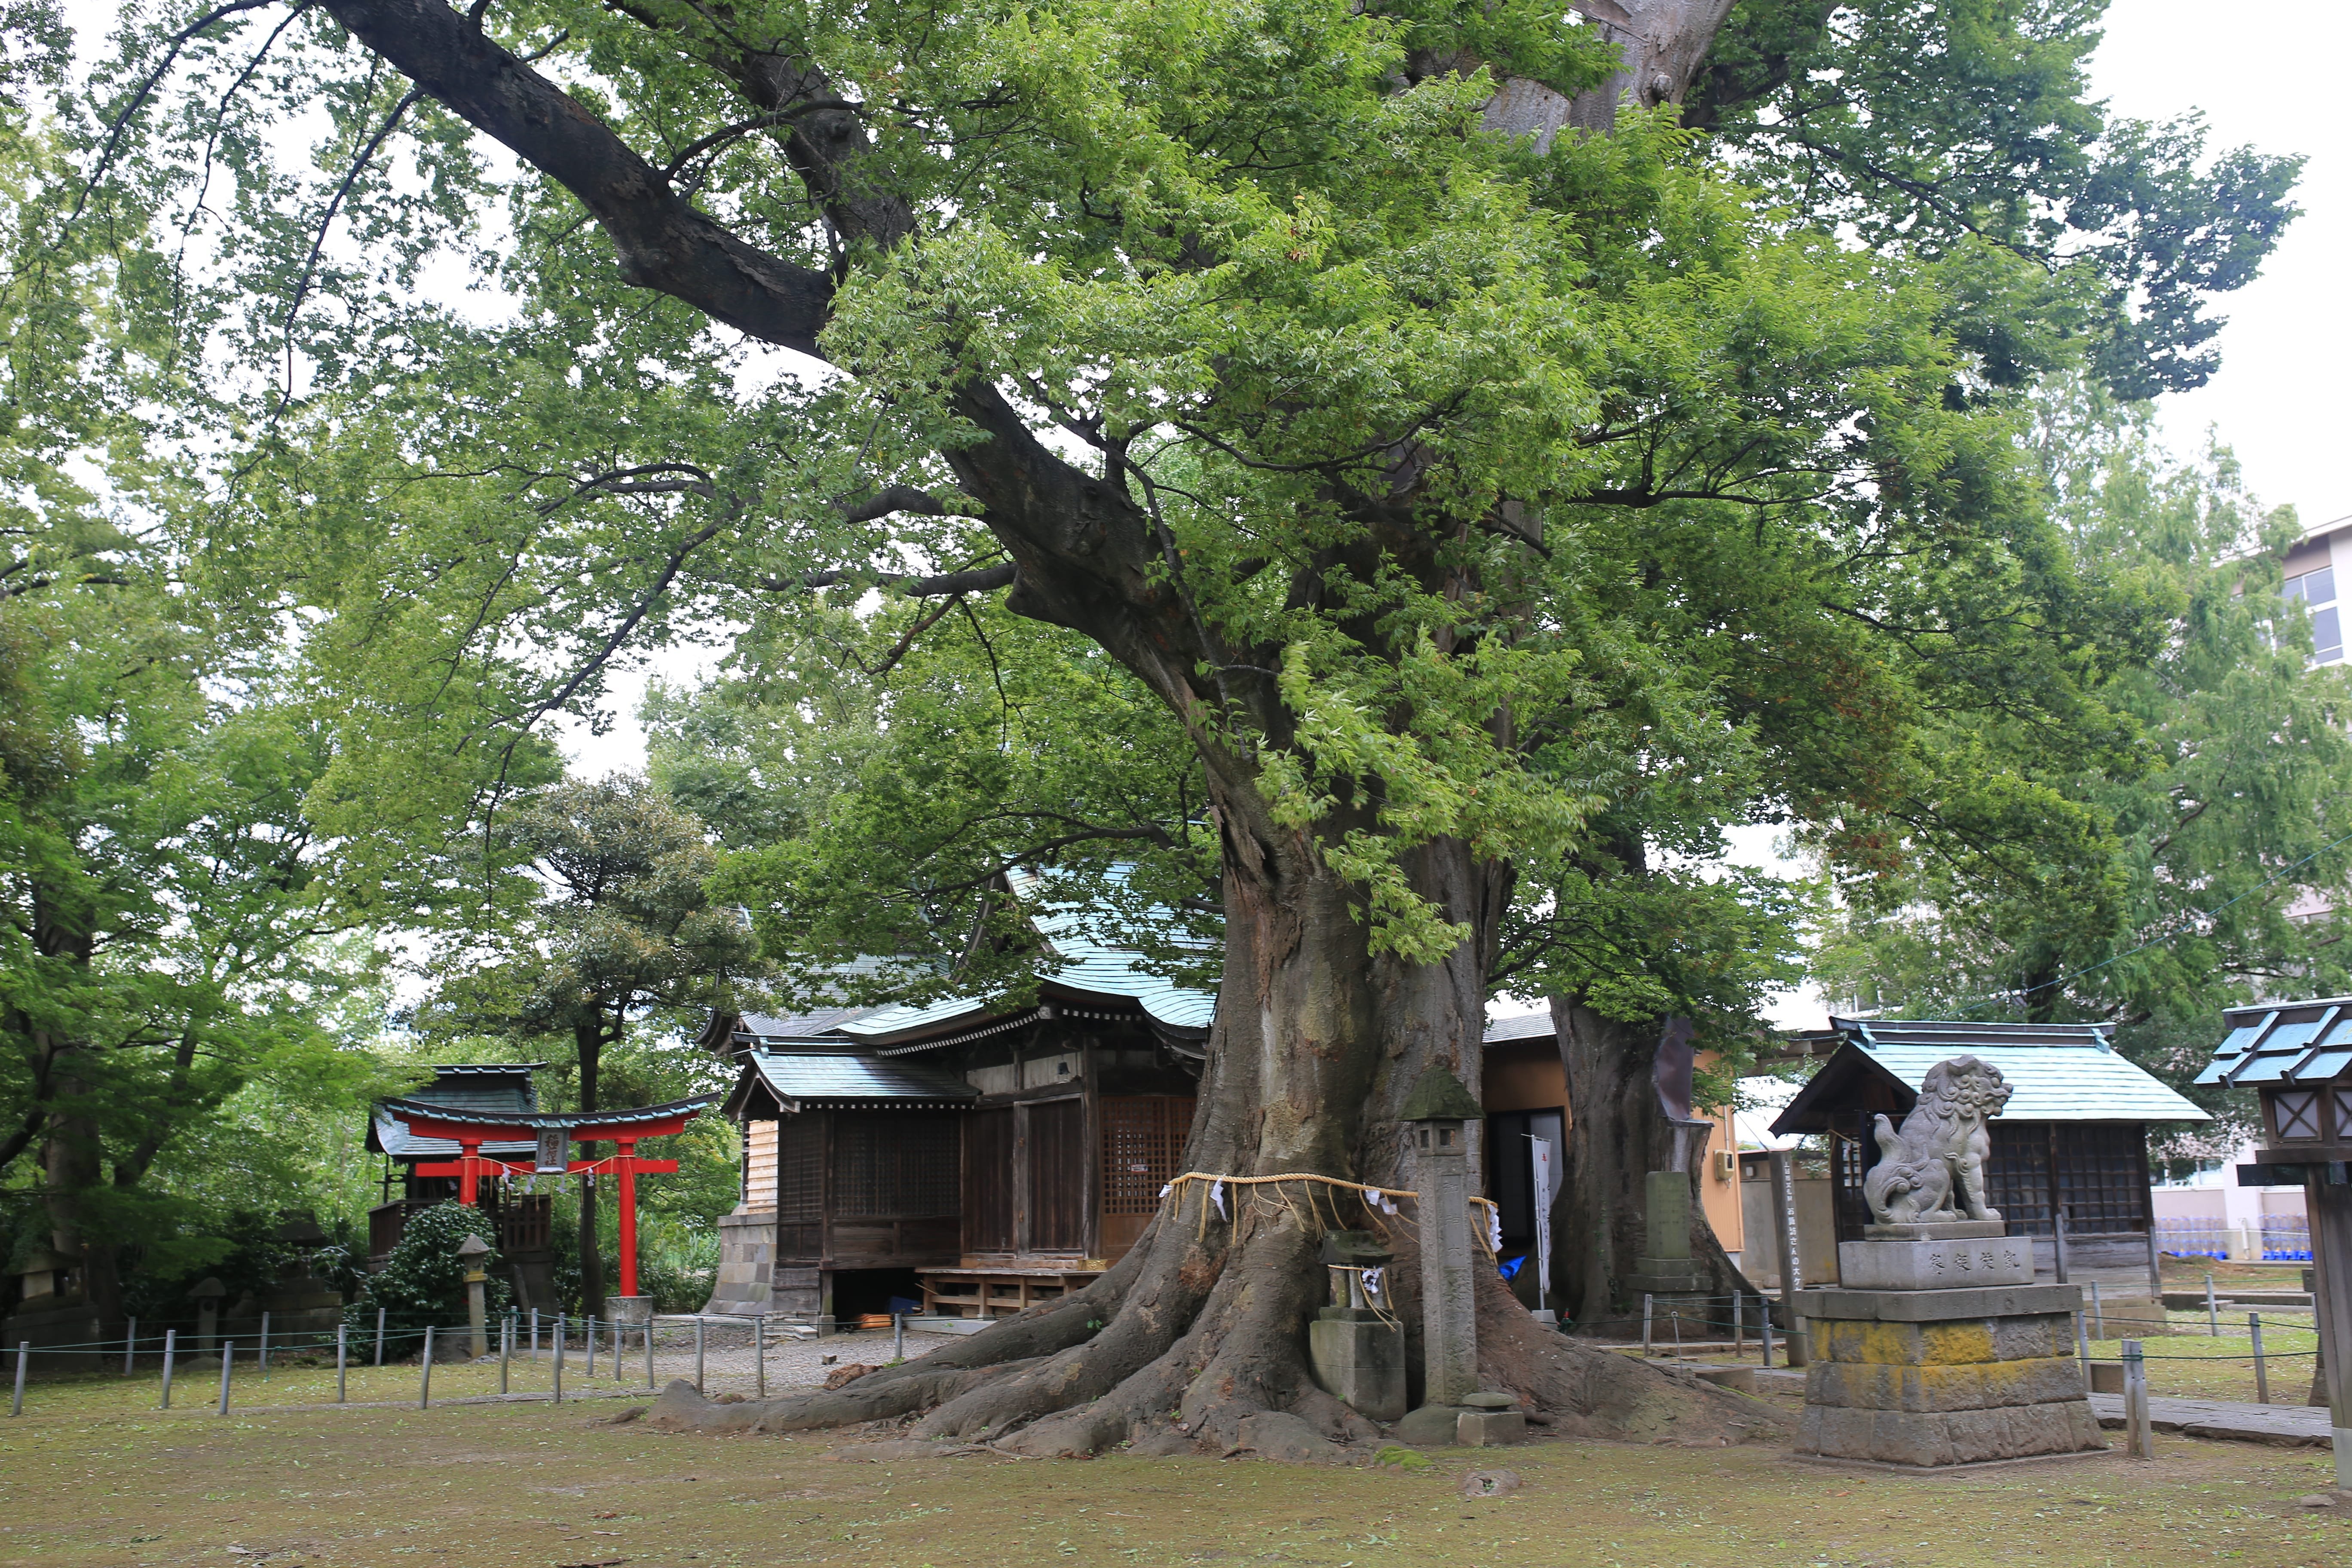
(548, 1137)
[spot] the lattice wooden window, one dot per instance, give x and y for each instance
(898, 1165)
(2102, 1176)
(2016, 1177)
(1142, 1145)
(800, 1168)
(2297, 1113)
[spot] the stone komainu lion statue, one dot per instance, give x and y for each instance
(1934, 1169)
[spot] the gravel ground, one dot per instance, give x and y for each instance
(793, 1363)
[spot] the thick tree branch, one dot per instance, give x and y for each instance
(973, 580)
(661, 241)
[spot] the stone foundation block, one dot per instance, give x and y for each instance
(2043, 1334)
(1935, 1264)
(2045, 1380)
(1359, 1362)
(1897, 1384)
(1487, 1428)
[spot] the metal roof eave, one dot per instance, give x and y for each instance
(593, 1121)
(1848, 1061)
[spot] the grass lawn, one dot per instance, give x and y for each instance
(88, 1477)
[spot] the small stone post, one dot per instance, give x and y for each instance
(207, 1294)
(471, 1251)
(1783, 1167)
(1436, 1115)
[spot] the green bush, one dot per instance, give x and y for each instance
(424, 1281)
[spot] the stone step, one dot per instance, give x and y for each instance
(2281, 1425)
(2194, 1300)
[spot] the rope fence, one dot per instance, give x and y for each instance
(554, 1349)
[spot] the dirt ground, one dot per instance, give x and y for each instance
(86, 1478)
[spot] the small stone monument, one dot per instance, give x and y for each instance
(206, 1294)
(1355, 1346)
(471, 1251)
(1937, 1348)
(1666, 1270)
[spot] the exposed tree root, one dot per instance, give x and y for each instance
(1195, 1344)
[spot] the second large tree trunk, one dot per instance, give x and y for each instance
(1619, 1132)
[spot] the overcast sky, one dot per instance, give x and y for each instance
(2278, 398)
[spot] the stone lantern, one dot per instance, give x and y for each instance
(1436, 1116)
(2298, 1057)
(470, 1252)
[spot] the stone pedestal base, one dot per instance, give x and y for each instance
(1937, 1265)
(747, 1256)
(1357, 1358)
(1930, 1378)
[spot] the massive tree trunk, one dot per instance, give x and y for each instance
(1618, 1133)
(1203, 1325)
(1318, 1039)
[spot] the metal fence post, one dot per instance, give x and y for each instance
(2213, 1310)
(130, 1344)
(265, 1347)
(2083, 1348)
(505, 1348)
(760, 1353)
(1738, 1328)
(23, 1358)
(1764, 1328)
(897, 1336)
(534, 1334)
(2142, 1443)
(697, 1353)
(228, 1356)
(2261, 1370)
(591, 1370)
(343, 1362)
(2098, 1314)
(649, 1351)
(558, 1358)
(379, 1336)
(424, 1386)
(171, 1344)
(1646, 1303)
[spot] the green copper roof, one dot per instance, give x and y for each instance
(1439, 1096)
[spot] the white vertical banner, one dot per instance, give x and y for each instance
(1541, 1149)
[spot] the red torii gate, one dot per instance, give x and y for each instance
(554, 1132)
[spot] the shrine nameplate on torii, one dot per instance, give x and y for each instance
(554, 1132)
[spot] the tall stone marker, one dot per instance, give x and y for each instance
(1937, 1348)
(1436, 1115)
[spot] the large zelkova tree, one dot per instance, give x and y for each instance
(1465, 494)
(624, 927)
(2155, 896)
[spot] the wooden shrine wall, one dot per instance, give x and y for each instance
(897, 1189)
(989, 1149)
(1143, 1151)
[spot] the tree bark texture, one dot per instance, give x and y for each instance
(1619, 1134)
(1199, 1332)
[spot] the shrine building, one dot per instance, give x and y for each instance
(965, 1159)
(2072, 1142)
